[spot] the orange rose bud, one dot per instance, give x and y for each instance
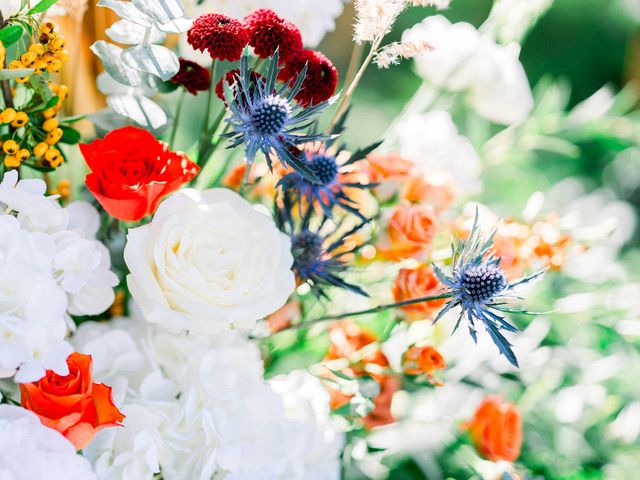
(422, 361)
(73, 404)
(414, 283)
(410, 232)
(496, 430)
(435, 190)
(381, 414)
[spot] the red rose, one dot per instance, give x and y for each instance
(72, 404)
(131, 172)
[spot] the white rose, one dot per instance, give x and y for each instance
(208, 261)
(29, 450)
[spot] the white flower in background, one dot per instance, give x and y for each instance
(208, 261)
(10, 8)
(198, 407)
(464, 60)
(432, 142)
(510, 20)
(29, 450)
(35, 211)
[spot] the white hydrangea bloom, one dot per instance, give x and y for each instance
(83, 264)
(319, 442)
(35, 211)
(32, 306)
(433, 142)
(29, 450)
(52, 266)
(198, 407)
(207, 262)
(463, 59)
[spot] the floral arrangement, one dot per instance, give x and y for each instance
(235, 288)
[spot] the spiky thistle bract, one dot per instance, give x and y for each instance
(332, 168)
(266, 118)
(480, 287)
(319, 251)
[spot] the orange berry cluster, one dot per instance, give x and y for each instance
(34, 132)
(40, 139)
(48, 55)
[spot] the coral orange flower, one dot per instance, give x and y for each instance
(415, 283)
(351, 342)
(496, 430)
(423, 361)
(410, 232)
(284, 317)
(381, 414)
(73, 404)
(389, 171)
(435, 190)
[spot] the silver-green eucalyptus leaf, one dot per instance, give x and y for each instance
(111, 57)
(129, 33)
(162, 11)
(127, 11)
(142, 110)
(154, 59)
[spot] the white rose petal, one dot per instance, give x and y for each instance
(208, 261)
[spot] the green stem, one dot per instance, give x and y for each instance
(368, 311)
(204, 137)
(346, 98)
(174, 128)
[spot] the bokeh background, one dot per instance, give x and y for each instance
(577, 156)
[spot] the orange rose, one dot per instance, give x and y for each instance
(381, 413)
(348, 341)
(496, 430)
(72, 404)
(284, 317)
(435, 190)
(423, 361)
(410, 231)
(388, 171)
(415, 283)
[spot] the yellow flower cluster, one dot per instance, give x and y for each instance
(35, 133)
(48, 55)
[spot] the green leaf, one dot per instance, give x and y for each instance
(75, 118)
(7, 74)
(70, 136)
(10, 34)
(42, 6)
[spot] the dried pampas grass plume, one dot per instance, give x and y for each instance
(392, 54)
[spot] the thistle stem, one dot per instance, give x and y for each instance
(174, 127)
(368, 311)
(346, 98)
(204, 134)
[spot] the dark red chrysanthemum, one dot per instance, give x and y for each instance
(192, 76)
(268, 31)
(321, 81)
(231, 78)
(223, 37)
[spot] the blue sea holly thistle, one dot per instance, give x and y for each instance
(264, 117)
(319, 251)
(331, 168)
(479, 286)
